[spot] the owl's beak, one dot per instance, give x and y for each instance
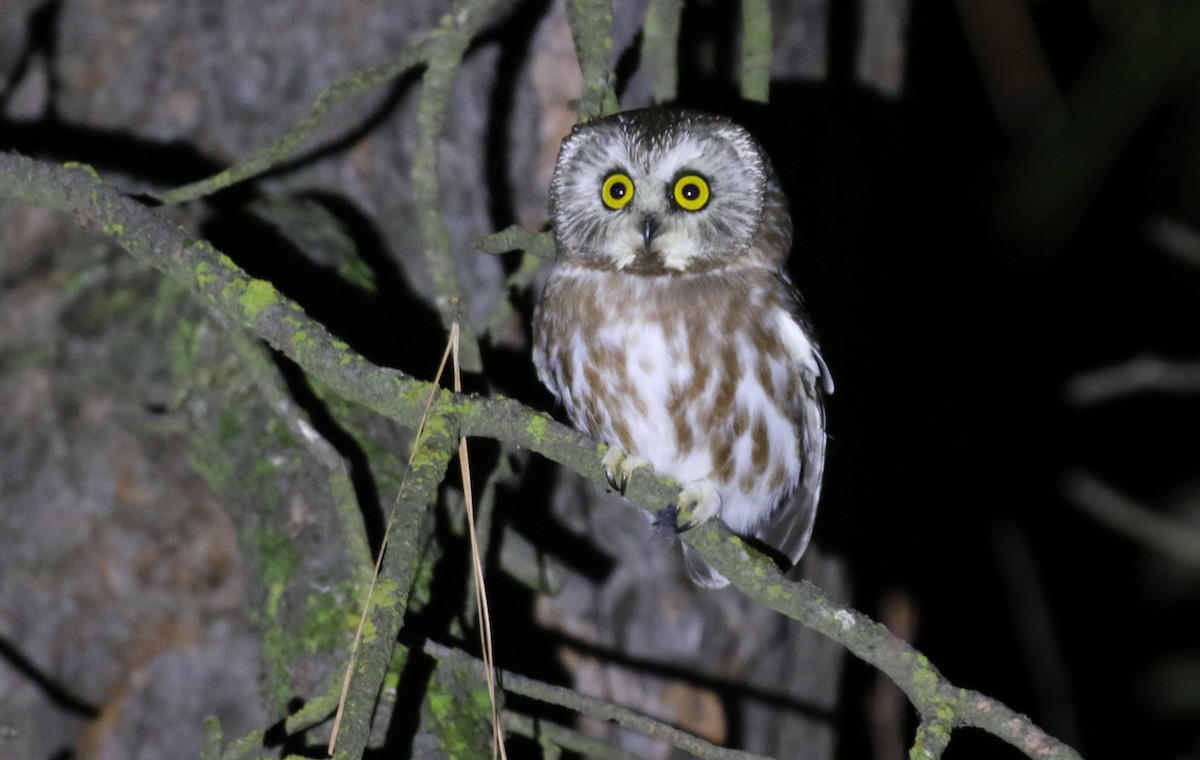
(650, 226)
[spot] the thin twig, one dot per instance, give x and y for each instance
(591, 707)
(485, 618)
(517, 238)
(1175, 237)
(1154, 52)
(1138, 375)
(414, 55)
(561, 736)
(1109, 506)
(449, 43)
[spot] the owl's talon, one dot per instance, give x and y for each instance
(619, 467)
(697, 502)
(616, 485)
(612, 481)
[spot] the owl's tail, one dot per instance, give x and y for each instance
(701, 573)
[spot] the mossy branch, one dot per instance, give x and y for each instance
(756, 50)
(660, 43)
(592, 28)
(397, 571)
(517, 238)
(448, 44)
(256, 306)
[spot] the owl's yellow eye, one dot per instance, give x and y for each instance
(617, 190)
(691, 192)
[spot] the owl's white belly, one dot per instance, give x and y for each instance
(693, 395)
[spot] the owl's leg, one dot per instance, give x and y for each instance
(619, 467)
(698, 501)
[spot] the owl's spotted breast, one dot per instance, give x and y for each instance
(700, 375)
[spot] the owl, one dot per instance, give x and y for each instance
(670, 330)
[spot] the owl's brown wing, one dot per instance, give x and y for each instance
(790, 526)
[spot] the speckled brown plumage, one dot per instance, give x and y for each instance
(673, 332)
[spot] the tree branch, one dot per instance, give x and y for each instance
(1174, 538)
(566, 738)
(448, 45)
(255, 304)
(756, 50)
(1138, 375)
(591, 706)
(661, 45)
(592, 28)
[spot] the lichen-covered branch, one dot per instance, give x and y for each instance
(934, 697)
(440, 51)
(314, 711)
(660, 44)
(255, 305)
(389, 597)
(258, 365)
(448, 43)
(933, 736)
(517, 238)
(592, 28)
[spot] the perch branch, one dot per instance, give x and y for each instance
(255, 304)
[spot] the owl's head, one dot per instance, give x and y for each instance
(660, 191)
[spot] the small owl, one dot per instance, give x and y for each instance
(670, 330)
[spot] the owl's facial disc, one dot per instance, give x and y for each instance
(658, 193)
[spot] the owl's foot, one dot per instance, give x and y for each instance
(698, 501)
(619, 467)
